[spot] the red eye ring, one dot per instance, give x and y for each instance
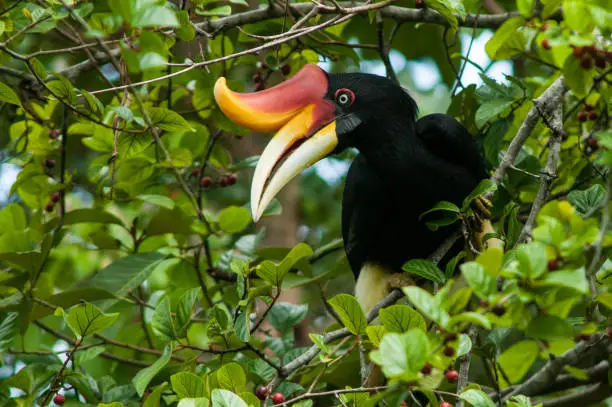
(344, 97)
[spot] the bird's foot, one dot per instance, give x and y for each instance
(399, 280)
(482, 207)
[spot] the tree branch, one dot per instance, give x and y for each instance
(589, 396)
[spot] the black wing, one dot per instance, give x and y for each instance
(446, 138)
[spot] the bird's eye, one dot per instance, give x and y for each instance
(345, 97)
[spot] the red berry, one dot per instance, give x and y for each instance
(285, 69)
(499, 310)
(53, 133)
(553, 264)
(609, 331)
(593, 115)
(195, 172)
(59, 399)
(55, 197)
(49, 207)
(260, 86)
(452, 376)
(446, 404)
(593, 142)
(278, 398)
(586, 62)
(257, 77)
(600, 61)
(223, 183)
(451, 336)
(577, 51)
(588, 107)
(585, 337)
(448, 351)
(419, 4)
(545, 44)
(205, 182)
(262, 392)
(230, 179)
(582, 116)
(427, 369)
(49, 163)
(590, 49)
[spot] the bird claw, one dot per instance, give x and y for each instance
(399, 280)
(482, 207)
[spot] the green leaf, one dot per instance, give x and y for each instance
(549, 328)
(477, 398)
(491, 259)
(162, 323)
(8, 95)
(12, 217)
(268, 271)
(507, 40)
(9, 328)
(427, 305)
(300, 251)
(217, 11)
(37, 68)
(350, 313)
(375, 334)
(284, 316)
(225, 398)
(401, 318)
(62, 88)
(155, 16)
(577, 15)
(425, 269)
(185, 32)
(532, 259)
(234, 219)
(573, 279)
(144, 377)
(231, 377)
(485, 186)
(448, 9)
(483, 283)
(168, 120)
(605, 299)
(588, 200)
(525, 7)
(68, 298)
(126, 274)
(579, 80)
(187, 384)
(194, 402)
(85, 215)
(159, 200)
(444, 206)
(520, 401)
(152, 399)
(402, 355)
(517, 360)
(185, 309)
(86, 319)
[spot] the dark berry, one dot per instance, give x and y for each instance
(285, 69)
(257, 77)
(49, 207)
(600, 61)
(427, 369)
(262, 65)
(609, 331)
(582, 116)
(49, 163)
(260, 86)
(55, 197)
(195, 172)
(593, 115)
(230, 179)
(588, 107)
(590, 49)
(446, 404)
(53, 133)
(205, 182)
(586, 62)
(585, 337)
(278, 398)
(593, 142)
(499, 310)
(564, 135)
(59, 399)
(419, 4)
(577, 51)
(262, 392)
(553, 264)
(452, 376)
(448, 351)
(545, 44)
(451, 336)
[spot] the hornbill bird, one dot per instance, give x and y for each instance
(404, 166)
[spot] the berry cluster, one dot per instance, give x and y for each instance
(590, 55)
(207, 182)
(54, 198)
(588, 113)
(262, 392)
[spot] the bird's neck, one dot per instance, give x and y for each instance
(392, 150)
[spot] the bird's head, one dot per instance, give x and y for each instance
(314, 114)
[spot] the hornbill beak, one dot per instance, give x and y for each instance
(304, 122)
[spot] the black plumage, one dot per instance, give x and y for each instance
(404, 167)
